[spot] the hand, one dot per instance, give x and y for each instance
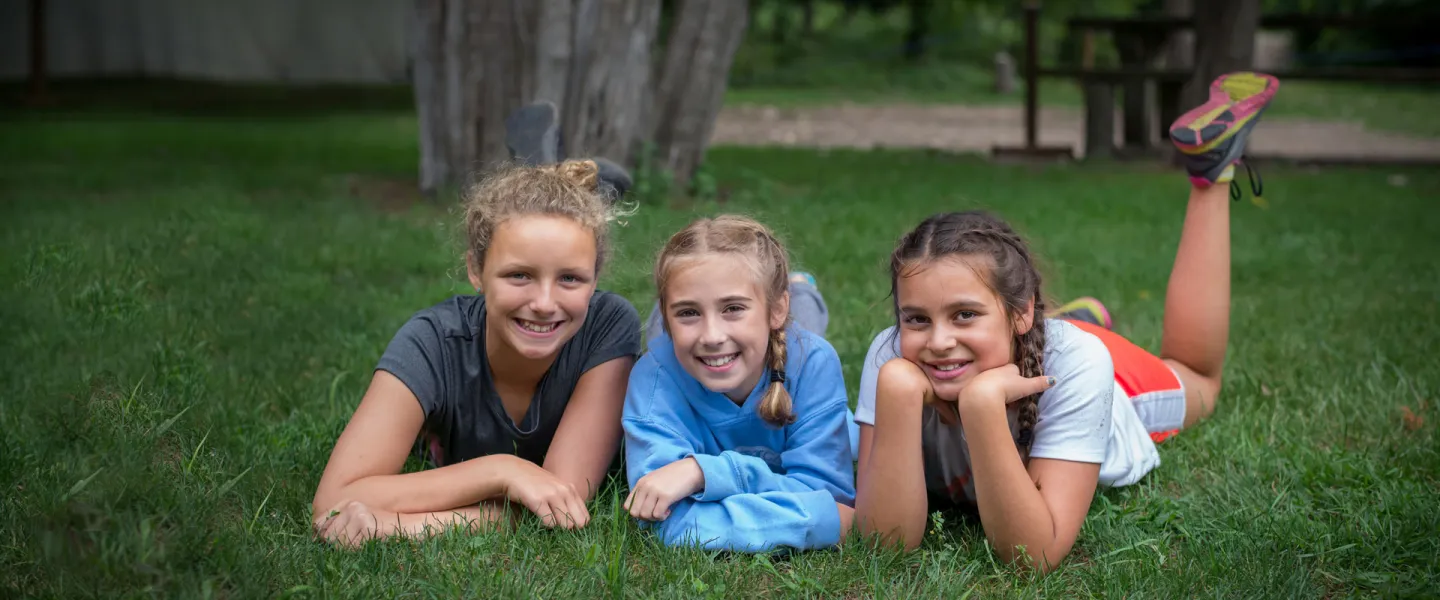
(350, 524)
(1003, 384)
(658, 490)
(900, 376)
(554, 500)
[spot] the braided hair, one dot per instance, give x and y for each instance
(748, 240)
(1012, 275)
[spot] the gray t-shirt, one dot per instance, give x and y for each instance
(440, 355)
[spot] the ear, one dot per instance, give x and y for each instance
(1026, 319)
(473, 270)
(780, 311)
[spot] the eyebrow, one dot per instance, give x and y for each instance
(962, 304)
(725, 300)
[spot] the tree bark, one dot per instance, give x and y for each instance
(1224, 42)
(1180, 46)
(429, 73)
(609, 77)
(691, 87)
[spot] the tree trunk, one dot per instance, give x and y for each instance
(691, 86)
(429, 75)
(609, 77)
(1181, 45)
(1224, 42)
(477, 61)
(919, 28)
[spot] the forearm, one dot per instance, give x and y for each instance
(1012, 511)
(462, 484)
(470, 518)
(891, 500)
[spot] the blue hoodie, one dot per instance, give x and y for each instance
(765, 486)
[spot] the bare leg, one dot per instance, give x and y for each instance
(891, 498)
(1197, 301)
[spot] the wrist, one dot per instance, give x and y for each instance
(697, 475)
(978, 401)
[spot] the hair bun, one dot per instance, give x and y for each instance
(583, 173)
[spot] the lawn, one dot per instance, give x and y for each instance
(192, 306)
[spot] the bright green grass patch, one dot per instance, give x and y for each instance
(192, 307)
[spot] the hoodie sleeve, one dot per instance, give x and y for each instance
(755, 522)
(653, 437)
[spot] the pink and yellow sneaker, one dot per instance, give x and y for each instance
(1213, 136)
(1085, 309)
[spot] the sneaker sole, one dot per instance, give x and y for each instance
(532, 134)
(1236, 100)
(1091, 305)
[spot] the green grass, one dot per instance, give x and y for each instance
(192, 305)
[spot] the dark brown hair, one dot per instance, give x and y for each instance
(747, 240)
(1012, 275)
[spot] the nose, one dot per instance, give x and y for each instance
(543, 303)
(941, 340)
(711, 333)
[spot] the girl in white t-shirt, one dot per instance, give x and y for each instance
(975, 398)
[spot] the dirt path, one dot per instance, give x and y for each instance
(977, 129)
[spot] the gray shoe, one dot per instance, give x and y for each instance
(533, 134)
(613, 176)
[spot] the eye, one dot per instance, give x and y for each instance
(734, 308)
(915, 320)
(571, 279)
(686, 312)
(966, 315)
(517, 276)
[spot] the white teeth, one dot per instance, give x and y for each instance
(537, 327)
(719, 361)
(949, 367)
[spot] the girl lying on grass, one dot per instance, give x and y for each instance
(736, 420)
(976, 399)
(515, 393)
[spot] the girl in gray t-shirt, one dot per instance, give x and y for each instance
(513, 394)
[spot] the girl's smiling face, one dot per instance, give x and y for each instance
(952, 324)
(720, 324)
(538, 276)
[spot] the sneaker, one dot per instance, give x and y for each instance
(1085, 309)
(1212, 137)
(614, 176)
(533, 134)
(803, 277)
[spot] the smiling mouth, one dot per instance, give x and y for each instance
(537, 327)
(949, 369)
(720, 362)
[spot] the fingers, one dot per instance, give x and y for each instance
(1035, 385)
(322, 523)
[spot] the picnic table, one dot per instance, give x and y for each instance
(1139, 41)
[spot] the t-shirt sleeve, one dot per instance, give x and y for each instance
(882, 350)
(1074, 417)
(415, 356)
(614, 331)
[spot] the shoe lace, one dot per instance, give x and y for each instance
(1257, 183)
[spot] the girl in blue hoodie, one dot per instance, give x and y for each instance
(735, 419)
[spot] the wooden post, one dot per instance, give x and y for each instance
(38, 45)
(1099, 119)
(1032, 73)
